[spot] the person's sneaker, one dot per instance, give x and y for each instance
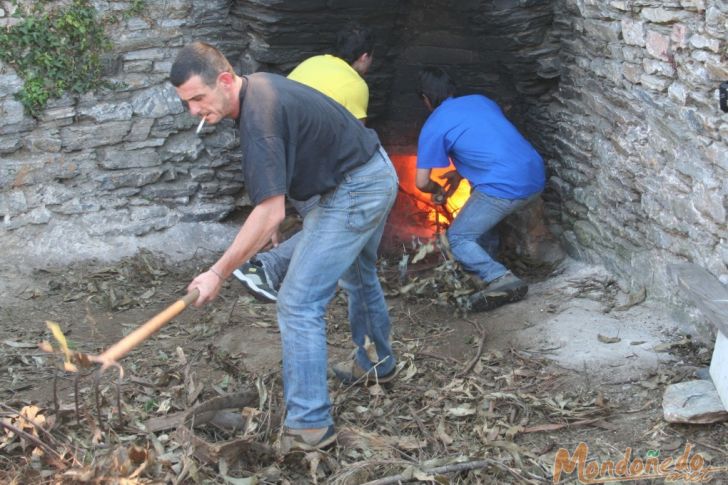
(253, 277)
(307, 439)
(505, 289)
(350, 372)
(508, 282)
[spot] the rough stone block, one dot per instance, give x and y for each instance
(115, 159)
(174, 9)
(138, 66)
(655, 83)
(11, 112)
(129, 178)
(157, 102)
(633, 32)
(153, 54)
(136, 23)
(181, 147)
(50, 194)
(56, 113)
(661, 68)
(710, 203)
(13, 203)
(102, 112)
(37, 216)
(664, 15)
(658, 45)
(140, 129)
(718, 154)
(78, 206)
(203, 211)
(632, 72)
(10, 84)
(678, 93)
(80, 136)
(695, 402)
(717, 72)
(43, 140)
(10, 144)
(702, 42)
(679, 36)
(202, 174)
(170, 190)
(603, 31)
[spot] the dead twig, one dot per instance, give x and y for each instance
(421, 425)
(556, 426)
(702, 443)
(455, 468)
(32, 439)
(440, 209)
(478, 354)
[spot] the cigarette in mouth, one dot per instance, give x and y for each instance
(199, 127)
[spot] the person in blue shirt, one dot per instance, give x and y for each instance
(504, 171)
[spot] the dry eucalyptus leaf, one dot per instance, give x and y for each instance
(376, 390)
(664, 347)
(462, 410)
(442, 433)
(19, 345)
(422, 252)
(608, 340)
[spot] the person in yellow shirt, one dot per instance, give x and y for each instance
(339, 76)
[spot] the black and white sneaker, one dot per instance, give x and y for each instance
(253, 277)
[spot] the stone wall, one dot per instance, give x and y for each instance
(123, 163)
(640, 175)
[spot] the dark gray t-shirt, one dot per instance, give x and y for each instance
(295, 140)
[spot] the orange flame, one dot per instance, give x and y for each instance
(414, 213)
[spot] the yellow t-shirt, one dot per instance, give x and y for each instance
(336, 79)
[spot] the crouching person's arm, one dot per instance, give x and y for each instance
(426, 184)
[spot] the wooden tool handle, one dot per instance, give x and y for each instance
(128, 343)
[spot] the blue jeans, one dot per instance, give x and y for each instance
(472, 235)
(338, 243)
(275, 261)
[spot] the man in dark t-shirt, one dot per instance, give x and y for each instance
(295, 141)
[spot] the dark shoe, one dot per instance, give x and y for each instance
(506, 283)
(505, 289)
(350, 372)
(307, 439)
(252, 276)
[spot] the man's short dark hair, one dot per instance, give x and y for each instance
(352, 41)
(436, 84)
(198, 59)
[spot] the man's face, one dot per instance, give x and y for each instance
(207, 102)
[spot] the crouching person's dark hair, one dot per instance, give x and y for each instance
(436, 84)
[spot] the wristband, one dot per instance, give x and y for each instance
(217, 274)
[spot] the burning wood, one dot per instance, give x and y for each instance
(436, 217)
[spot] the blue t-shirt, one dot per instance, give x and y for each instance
(484, 146)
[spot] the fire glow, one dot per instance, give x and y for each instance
(414, 212)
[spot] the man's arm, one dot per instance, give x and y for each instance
(426, 184)
(257, 230)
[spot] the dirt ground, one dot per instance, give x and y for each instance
(485, 397)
